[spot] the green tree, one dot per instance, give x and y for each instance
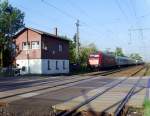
(72, 48)
(72, 54)
(119, 52)
(11, 21)
(85, 51)
(136, 56)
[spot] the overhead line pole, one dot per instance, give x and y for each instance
(77, 40)
(140, 30)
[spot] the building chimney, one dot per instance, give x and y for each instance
(56, 31)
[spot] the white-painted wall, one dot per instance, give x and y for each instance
(40, 66)
(32, 66)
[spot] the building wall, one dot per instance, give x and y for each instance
(40, 66)
(52, 66)
(33, 53)
(32, 66)
(35, 60)
(52, 48)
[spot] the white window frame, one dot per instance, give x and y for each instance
(35, 45)
(60, 47)
(25, 46)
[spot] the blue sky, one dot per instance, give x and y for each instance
(103, 22)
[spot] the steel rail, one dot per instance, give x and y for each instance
(121, 106)
(74, 109)
(57, 85)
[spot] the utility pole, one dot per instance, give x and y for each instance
(77, 40)
(28, 47)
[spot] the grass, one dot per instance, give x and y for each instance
(147, 108)
(148, 71)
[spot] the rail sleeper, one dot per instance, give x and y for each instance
(3, 104)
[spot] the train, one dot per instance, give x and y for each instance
(101, 60)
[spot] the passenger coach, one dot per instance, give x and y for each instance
(102, 60)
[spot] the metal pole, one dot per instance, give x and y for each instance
(77, 41)
(1, 57)
(28, 52)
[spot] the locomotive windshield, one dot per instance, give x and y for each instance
(94, 56)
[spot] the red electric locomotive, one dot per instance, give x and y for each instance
(101, 60)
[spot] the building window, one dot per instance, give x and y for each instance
(44, 46)
(35, 45)
(48, 65)
(57, 65)
(64, 65)
(25, 45)
(60, 47)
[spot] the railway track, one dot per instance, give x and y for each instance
(62, 82)
(108, 72)
(122, 110)
(48, 80)
(75, 111)
(58, 85)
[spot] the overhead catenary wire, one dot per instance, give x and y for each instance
(38, 24)
(148, 12)
(140, 29)
(92, 28)
(135, 15)
(81, 10)
(122, 11)
(125, 17)
(138, 22)
(133, 8)
(64, 12)
(141, 37)
(31, 21)
(73, 17)
(59, 10)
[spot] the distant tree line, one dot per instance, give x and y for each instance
(119, 52)
(84, 52)
(136, 56)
